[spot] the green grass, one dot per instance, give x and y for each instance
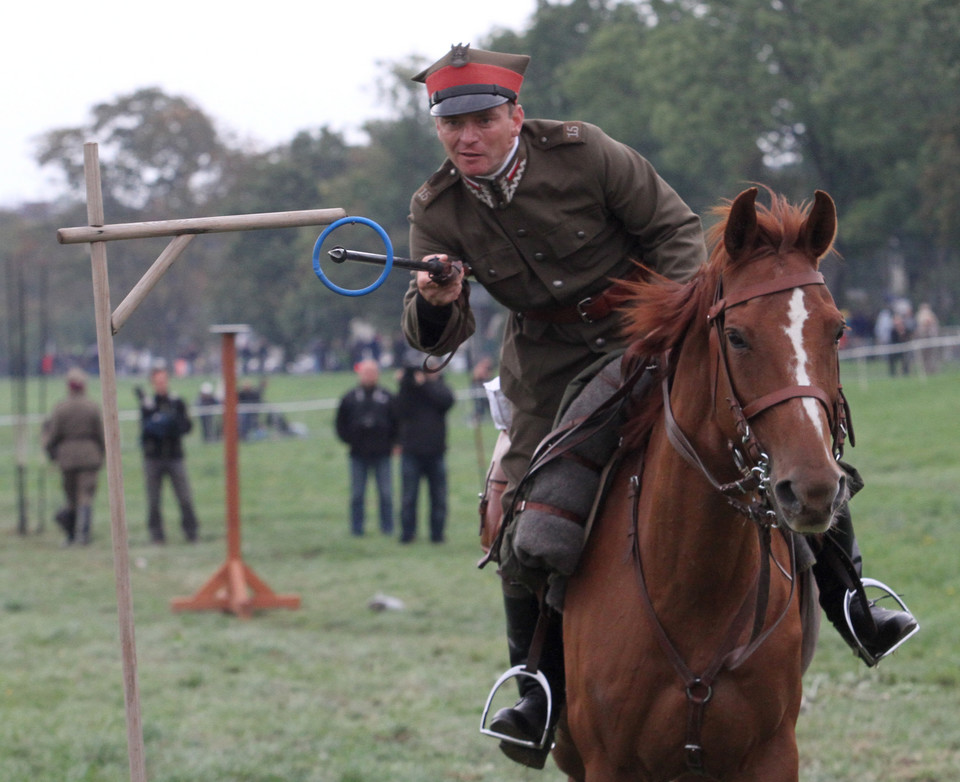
(335, 692)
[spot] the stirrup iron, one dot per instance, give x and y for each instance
(517, 672)
(848, 599)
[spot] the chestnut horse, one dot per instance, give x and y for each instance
(682, 629)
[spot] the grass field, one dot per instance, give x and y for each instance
(335, 692)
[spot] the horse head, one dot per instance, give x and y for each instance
(758, 324)
(774, 338)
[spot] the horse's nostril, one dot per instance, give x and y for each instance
(786, 497)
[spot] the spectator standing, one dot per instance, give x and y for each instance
(423, 401)
(209, 423)
(164, 421)
(367, 423)
(900, 334)
(928, 327)
(250, 394)
(73, 439)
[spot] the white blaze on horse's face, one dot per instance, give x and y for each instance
(797, 314)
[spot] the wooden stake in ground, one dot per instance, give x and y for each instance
(111, 431)
(234, 587)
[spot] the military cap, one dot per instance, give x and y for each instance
(466, 80)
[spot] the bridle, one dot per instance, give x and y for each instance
(753, 466)
(750, 459)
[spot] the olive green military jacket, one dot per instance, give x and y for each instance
(73, 435)
(571, 211)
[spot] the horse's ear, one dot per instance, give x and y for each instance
(741, 230)
(820, 228)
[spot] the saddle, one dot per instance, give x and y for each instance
(539, 542)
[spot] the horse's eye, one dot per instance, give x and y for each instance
(841, 331)
(735, 340)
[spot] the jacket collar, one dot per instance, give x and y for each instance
(497, 191)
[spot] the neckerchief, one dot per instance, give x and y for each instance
(498, 191)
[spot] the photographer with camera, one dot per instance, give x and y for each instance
(163, 423)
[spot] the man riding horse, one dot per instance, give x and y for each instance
(545, 214)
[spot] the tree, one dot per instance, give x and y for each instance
(158, 153)
(264, 277)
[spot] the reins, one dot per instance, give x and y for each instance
(699, 687)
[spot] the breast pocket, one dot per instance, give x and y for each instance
(569, 237)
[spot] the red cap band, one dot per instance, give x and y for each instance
(473, 73)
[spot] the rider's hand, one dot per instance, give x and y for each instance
(440, 294)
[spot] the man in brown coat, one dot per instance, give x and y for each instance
(73, 438)
(545, 214)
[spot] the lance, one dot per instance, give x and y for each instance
(440, 271)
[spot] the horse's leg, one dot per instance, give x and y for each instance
(565, 753)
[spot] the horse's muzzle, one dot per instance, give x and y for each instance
(808, 504)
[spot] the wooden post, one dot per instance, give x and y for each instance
(111, 430)
(234, 587)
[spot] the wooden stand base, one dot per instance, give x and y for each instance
(237, 589)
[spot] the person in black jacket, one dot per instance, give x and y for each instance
(367, 422)
(423, 402)
(163, 423)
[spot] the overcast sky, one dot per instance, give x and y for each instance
(262, 71)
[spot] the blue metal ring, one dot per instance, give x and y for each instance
(387, 244)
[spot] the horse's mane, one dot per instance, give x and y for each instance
(659, 313)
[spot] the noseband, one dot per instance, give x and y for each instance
(750, 459)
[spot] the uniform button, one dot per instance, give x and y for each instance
(543, 139)
(538, 256)
(599, 342)
(521, 232)
(492, 272)
(453, 172)
(581, 234)
(558, 283)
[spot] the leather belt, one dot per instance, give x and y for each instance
(588, 310)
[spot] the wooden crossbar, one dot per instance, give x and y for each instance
(198, 225)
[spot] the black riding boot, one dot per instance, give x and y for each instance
(526, 720)
(838, 570)
(67, 521)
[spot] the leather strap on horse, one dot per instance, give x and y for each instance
(685, 448)
(838, 411)
(535, 652)
(699, 689)
(765, 288)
